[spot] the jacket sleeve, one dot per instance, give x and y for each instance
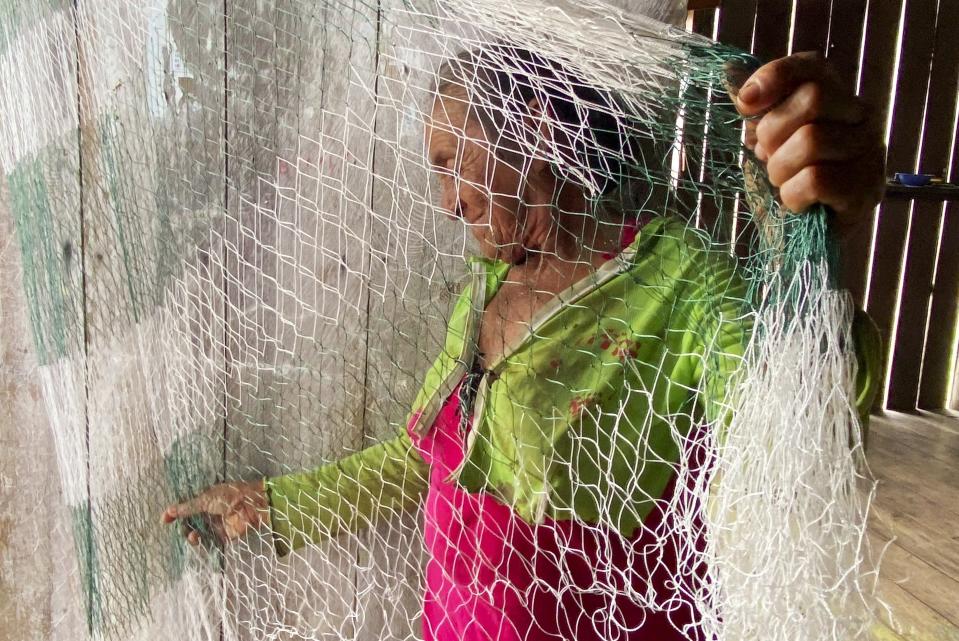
(346, 495)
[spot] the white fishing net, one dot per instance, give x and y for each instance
(243, 228)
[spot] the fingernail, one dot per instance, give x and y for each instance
(750, 92)
(760, 151)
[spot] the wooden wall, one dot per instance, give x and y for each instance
(27, 463)
(902, 266)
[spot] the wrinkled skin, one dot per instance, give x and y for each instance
(820, 144)
(510, 210)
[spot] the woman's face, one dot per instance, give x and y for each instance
(475, 185)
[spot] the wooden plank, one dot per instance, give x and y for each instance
(878, 58)
(704, 22)
(42, 381)
(143, 199)
(95, 226)
(734, 28)
(953, 402)
(709, 204)
(847, 22)
(703, 5)
(912, 497)
(918, 487)
(39, 589)
(940, 421)
(939, 352)
(880, 631)
(912, 327)
(771, 39)
(934, 439)
(912, 534)
(914, 453)
(912, 619)
(415, 269)
(921, 580)
(927, 217)
(300, 108)
(736, 19)
(929, 436)
(811, 26)
(265, 53)
(894, 218)
(915, 500)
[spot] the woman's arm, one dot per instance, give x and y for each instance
(304, 507)
(347, 495)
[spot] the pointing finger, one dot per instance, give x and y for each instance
(197, 505)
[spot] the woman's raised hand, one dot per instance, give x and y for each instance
(820, 142)
(227, 511)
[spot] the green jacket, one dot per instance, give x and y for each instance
(582, 416)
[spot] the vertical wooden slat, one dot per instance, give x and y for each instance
(704, 22)
(260, 53)
(846, 24)
(811, 25)
(395, 357)
(736, 19)
(953, 402)
(300, 115)
(935, 155)
(938, 353)
(735, 28)
(771, 39)
(41, 316)
(135, 190)
(878, 59)
(893, 223)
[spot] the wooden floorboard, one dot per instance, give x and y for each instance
(915, 521)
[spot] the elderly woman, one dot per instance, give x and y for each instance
(545, 459)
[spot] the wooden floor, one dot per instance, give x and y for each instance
(915, 458)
